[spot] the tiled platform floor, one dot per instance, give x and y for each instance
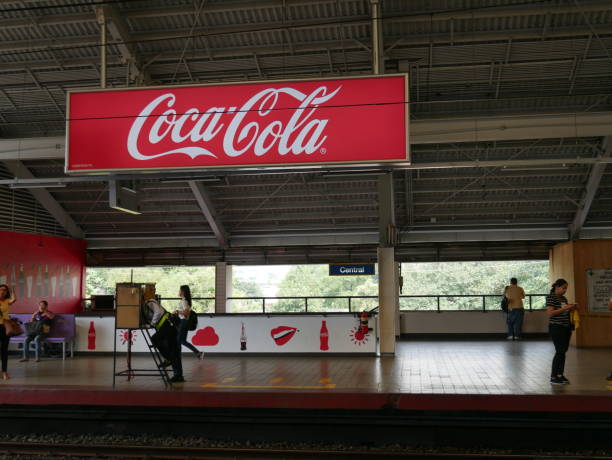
(493, 367)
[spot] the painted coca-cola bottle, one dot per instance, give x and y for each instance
(46, 282)
(61, 282)
(91, 337)
(13, 279)
(22, 282)
(68, 283)
(324, 336)
(243, 345)
(39, 282)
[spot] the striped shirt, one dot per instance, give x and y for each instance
(556, 302)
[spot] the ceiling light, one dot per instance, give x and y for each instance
(52, 185)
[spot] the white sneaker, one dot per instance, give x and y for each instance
(509, 338)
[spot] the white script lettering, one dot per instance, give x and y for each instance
(191, 130)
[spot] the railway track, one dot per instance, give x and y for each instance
(51, 450)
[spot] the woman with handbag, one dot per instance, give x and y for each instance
(7, 298)
(38, 328)
(560, 328)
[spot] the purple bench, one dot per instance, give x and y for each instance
(63, 330)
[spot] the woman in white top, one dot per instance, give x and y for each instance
(183, 311)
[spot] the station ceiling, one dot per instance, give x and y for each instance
(510, 109)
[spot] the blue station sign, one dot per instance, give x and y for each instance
(351, 269)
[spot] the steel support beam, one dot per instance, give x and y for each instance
(420, 39)
(208, 209)
(439, 131)
(46, 200)
(511, 128)
(597, 172)
(222, 7)
(101, 17)
(348, 238)
(386, 210)
(36, 148)
(125, 43)
(378, 63)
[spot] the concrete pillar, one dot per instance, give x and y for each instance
(387, 295)
(387, 267)
(397, 303)
(223, 287)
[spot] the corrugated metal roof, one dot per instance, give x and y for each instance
(463, 57)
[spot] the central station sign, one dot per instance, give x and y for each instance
(268, 124)
(351, 269)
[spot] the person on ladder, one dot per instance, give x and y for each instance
(164, 338)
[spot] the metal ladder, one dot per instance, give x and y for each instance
(157, 357)
(159, 370)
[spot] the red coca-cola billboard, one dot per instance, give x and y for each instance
(330, 121)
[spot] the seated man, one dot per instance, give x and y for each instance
(164, 338)
(37, 329)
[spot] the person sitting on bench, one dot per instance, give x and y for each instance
(38, 328)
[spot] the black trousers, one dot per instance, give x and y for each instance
(561, 338)
(165, 341)
(4, 343)
(183, 329)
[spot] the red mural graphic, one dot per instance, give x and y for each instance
(358, 336)
(91, 336)
(243, 339)
(282, 334)
(43, 267)
(127, 335)
(206, 337)
(324, 336)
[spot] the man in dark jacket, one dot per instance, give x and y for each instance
(164, 338)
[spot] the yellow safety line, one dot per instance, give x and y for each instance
(328, 386)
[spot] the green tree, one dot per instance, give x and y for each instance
(453, 278)
(201, 280)
(314, 281)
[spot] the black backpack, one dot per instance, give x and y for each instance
(504, 304)
(192, 320)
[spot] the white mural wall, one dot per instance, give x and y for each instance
(244, 334)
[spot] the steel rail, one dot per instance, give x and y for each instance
(206, 453)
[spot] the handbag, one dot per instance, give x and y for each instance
(504, 304)
(12, 328)
(34, 327)
(192, 320)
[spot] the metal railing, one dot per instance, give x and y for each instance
(351, 304)
(465, 302)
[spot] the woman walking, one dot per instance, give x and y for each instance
(560, 329)
(183, 313)
(7, 298)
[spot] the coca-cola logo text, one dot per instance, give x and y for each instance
(251, 127)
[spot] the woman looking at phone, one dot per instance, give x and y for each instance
(560, 329)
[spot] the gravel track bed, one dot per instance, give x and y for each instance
(199, 442)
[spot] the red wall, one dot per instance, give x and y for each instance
(43, 267)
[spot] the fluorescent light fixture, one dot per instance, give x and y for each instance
(123, 198)
(51, 185)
